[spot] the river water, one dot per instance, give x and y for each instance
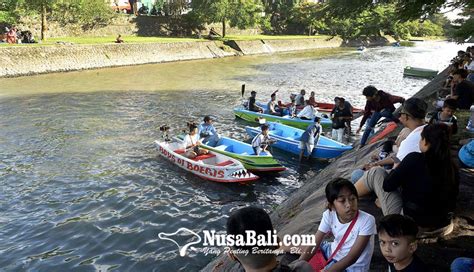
(82, 186)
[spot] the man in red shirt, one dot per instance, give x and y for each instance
(379, 104)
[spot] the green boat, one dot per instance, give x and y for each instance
(419, 72)
(252, 116)
(263, 163)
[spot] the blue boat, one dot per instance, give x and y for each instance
(263, 163)
(288, 139)
(244, 152)
(252, 116)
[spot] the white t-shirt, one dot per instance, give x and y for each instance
(410, 144)
(298, 100)
(308, 112)
(364, 226)
(188, 140)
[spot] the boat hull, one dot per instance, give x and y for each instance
(419, 72)
(251, 116)
(253, 163)
(288, 139)
(243, 152)
(216, 167)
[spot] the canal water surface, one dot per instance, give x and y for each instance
(82, 187)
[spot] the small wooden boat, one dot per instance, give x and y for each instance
(419, 72)
(288, 139)
(244, 152)
(212, 166)
(252, 116)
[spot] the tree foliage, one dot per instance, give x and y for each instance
(238, 13)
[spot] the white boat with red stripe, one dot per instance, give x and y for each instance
(212, 166)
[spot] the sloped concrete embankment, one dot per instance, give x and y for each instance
(26, 60)
(301, 212)
(271, 46)
(23, 60)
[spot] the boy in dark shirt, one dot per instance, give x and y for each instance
(397, 238)
(446, 115)
(464, 90)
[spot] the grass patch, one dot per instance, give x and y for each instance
(106, 40)
(270, 37)
(407, 43)
(137, 39)
(429, 38)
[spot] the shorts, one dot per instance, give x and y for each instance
(309, 147)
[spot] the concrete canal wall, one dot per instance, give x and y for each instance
(301, 213)
(27, 60)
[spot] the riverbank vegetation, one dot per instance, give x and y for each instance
(357, 19)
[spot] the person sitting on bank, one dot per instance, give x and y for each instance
(412, 117)
(213, 34)
(446, 115)
(424, 185)
(119, 39)
(340, 115)
(263, 258)
(464, 90)
(191, 143)
(353, 231)
(272, 105)
(379, 104)
(261, 142)
(252, 105)
(300, 101)
(310, 138)
(207, 132)
(307, 113)
(397, 238)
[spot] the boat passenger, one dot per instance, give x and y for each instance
(307, 113)
(207, 132)
(446, 115)
(300, 98)
(429, 182)
(353, 231)
(340, 115)
(291, 109)
(310, 138)
(252, 105)
(261, 142)
(312, 100)
(191, 143)
(379, 104)
(272, 105)
(258, 257)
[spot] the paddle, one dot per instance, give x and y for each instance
(243, 90)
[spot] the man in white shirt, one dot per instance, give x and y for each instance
(300, 98)
(412, 116)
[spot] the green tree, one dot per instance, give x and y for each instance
(410, 10)
(43, 7)
(238, 13)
